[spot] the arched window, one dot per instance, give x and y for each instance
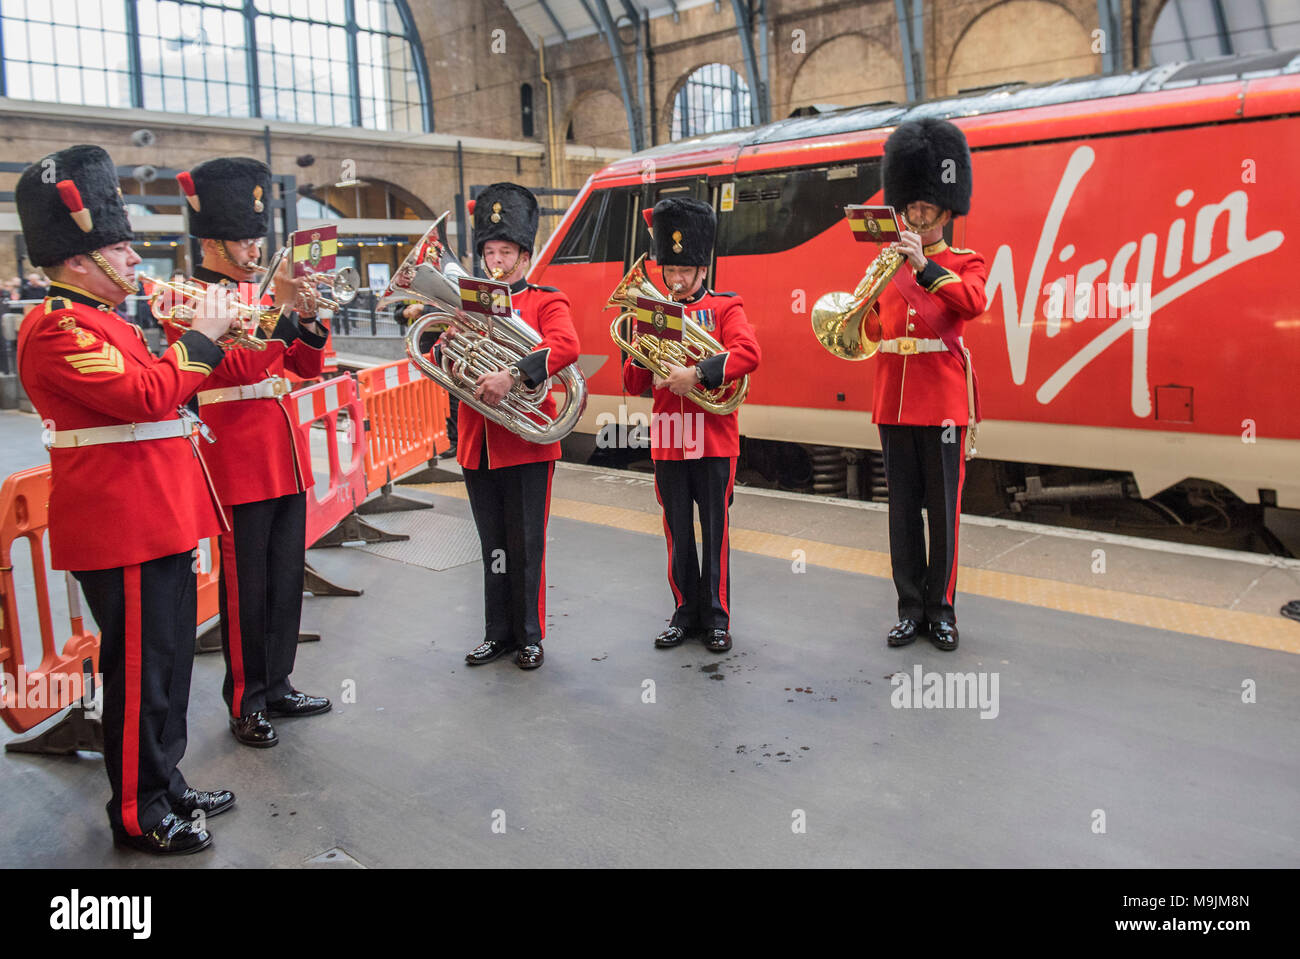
(331, 62)
(1197, 29)
(713, 98)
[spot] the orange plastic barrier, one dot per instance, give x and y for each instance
(209, 573)
(323, 403)
(407, 414)
(30, 696)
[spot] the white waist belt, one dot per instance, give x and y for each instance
(905, 346)
(124, 433)
(265, 390)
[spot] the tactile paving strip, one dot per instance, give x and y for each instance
(1250, 629)
(438, 541)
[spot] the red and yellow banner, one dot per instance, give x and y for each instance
(659, 318)
(316, 247)
(873, 224)
(484, 297)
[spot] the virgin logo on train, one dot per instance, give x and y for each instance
(1125, 297)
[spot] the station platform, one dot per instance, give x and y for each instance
(1143, 712)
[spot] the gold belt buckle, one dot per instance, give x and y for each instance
(281, 386)
(906, 345)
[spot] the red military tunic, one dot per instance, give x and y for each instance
(116, 504)
(672, 437)
(257, 455)
(546, 310)
(926, 389)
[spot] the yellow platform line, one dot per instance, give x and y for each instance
(1193, 619)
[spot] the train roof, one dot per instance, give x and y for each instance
(997, 99)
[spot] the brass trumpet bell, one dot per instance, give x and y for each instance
(171, 303)
(839, 318)
(654, 353)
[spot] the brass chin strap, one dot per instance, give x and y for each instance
(498, 273)
(112, 274)
(225, 255)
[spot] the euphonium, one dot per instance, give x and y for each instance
(472, 346)
(652, 352)
(169, 301)
(838, 318)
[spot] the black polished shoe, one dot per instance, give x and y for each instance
(173, 836)
(905, 631)
(529, 657)
(717, 640)
(672, 636)
(944, 636)
(298, 704)
(254, 730)
(487, 651)
(449, 453)
(212, 803)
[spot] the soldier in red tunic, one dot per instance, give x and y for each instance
(260, 468)
(926, 403)
(129, 499)
(695, 451)
(509, 478)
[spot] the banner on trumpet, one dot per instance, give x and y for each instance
(314, 250)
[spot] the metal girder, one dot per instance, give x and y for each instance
(758, 111)
(605, 23)
(546, 8)
(905, 42)
(1108, 21)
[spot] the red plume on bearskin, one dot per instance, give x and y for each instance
(648, 214)
(71, 197)
(187, 187)
(470, 206)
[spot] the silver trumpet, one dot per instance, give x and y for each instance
(343, 284)
(472, 346)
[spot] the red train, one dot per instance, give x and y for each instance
(1174, 185)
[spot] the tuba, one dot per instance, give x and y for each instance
(652, 352)
(839, 318)
(472, 346)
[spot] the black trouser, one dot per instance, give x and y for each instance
(262, 559)
(924, 466)
(511, 505)
(146, 651)
(701, 585)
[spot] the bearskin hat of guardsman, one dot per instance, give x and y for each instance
(917, 167)
(683, 230)
(505, 211)
(229, 198)
(69, 203)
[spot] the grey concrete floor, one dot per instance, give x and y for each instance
(578, 770)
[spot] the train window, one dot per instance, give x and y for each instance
(613, 241)
(779, 210)
(578, 242)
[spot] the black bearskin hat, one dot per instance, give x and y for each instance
(70, 203)
(683, 230)
(505, 211)
(916, 166)
(229, 198)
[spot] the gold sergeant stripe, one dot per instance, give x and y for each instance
(106, 359)
(1155, 612)
(186, 364)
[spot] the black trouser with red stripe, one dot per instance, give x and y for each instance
(146, 618)
(511, 506)
(261, 603)
(701, 584)
(925, 466)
